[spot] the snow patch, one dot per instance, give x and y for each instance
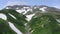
(35, 7)
(58, 20)
(29, 17)
(25, 12)
(3, 16)
(32, 31)
(20, 11)
(25, 24)
(7, 8)
(29, 10)
(17, 8)
(25, 7)
(43, 9)
(12, 16)
(14, 28)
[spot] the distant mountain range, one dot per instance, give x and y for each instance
(26, 9)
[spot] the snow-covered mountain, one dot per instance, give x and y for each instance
(26, 9)
(34, 10)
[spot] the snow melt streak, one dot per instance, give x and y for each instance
(10, 24)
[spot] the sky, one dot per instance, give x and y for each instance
(53, 3)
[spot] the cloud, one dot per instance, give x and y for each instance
(57, 6)
(15, 3)
(11, 3)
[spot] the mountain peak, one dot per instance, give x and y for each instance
(26, 9)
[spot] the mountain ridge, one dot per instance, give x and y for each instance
(26, 9)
